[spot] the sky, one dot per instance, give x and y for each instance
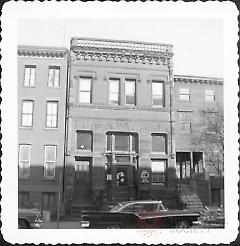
(197, 42)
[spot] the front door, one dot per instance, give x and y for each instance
(123, 185)
(82, 184)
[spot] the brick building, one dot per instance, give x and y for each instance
(130, 126)
(42, 80)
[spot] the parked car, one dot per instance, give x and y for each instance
(139, 214)
(29, 218)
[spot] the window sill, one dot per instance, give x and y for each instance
(26, 127)
(24, 178)
(50, 128)
(49, 179)
(53, 87)
(28, 86)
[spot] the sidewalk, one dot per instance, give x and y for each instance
(62, 225)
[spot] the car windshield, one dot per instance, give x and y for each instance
(119, 206)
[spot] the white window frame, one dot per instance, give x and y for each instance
(22, 162)
(81, 78)
(184, 94)
(209, 97)
(27, 115)
(54, 76)
(53, 116)
(114, 93)
(133, 94)
(158, 95)
(48, 163)
(29, 75)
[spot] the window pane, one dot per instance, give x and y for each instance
(25, 152)
(157, 88)
(209, 92)
(52, 108)
(134, 143)
(185, 117)
(85, 84)
(85, 97)
(109, 142)
(129, 87)
(32, 79)
(27, 107)
(50, 153)
(49, 169)
(122, 142)
(27, 76)
(158, 143)
(122, 159)
(130, 99)
(57, 77)
(84, 140)
(157, 100)
(114, 99)
(185, 97)
(114, 86)
(26, 120)
(158, 171)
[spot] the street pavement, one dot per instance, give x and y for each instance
(62, 225)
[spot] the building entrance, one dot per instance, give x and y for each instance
(82, 185)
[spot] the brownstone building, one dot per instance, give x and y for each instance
(42, 80)
(120, 137)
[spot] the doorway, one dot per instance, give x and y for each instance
(82, 184)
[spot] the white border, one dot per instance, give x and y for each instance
(12, 11)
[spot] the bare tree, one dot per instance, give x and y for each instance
(210, 139)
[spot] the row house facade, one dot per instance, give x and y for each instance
(42, 81)
(113, 121)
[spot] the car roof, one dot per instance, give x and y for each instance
(141, 201)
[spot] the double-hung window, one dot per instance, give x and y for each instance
(27, 113)
(158, 171)
(185, 122)
(52, 114)
(29, 75)
(24, 160)
(50, 161)
(53, 76)
(159, 143)
(114, 86)
(130, 92)
(184, 94)
(211, 122)
(157, 94)
(84, 140)
(85, 90)
(209, 96)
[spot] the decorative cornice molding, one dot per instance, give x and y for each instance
(118, 107)
(120, 51)
(198, 80)
(42, 52)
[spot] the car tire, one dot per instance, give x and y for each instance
(114, 226)
(22, 224)
(182, 224)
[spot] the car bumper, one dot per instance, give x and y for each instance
(36, 225)
(84, 224)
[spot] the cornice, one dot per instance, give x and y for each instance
(198, 80)
(26, 51)
(118, 107)
(120, 51)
